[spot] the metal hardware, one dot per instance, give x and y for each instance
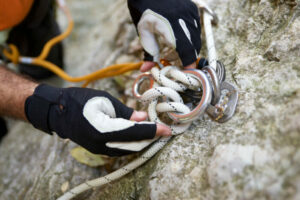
(225, 95)
(225, 108)
(204, 100)
(140, 79)
(215, 84)
(221, 71)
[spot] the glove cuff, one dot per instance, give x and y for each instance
(37, 106)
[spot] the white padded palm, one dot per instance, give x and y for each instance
(101, 114)
(152, 24)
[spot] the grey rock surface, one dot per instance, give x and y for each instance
(256, 155)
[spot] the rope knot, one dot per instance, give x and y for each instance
(163, 95)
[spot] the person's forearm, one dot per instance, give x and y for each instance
(14, 90)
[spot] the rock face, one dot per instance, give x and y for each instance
(256, 155)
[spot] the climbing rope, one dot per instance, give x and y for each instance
(164, 86)
(158, 145)
(12, 54)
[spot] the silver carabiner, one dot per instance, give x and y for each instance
(225, 97)
(204, 102)
(138, 81)
(221, 72)
(215, 83)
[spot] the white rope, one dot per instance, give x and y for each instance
(210, 43)
(208, 17)
(168, 90)
(118, 173)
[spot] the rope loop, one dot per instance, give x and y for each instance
(163, 95)
(12, 53)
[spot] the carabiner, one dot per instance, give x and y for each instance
(215, 83)
(138, 81)
(204, 102)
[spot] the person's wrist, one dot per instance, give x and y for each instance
(37, 106)
(28, 91)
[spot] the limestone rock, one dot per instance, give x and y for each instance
(255, 155)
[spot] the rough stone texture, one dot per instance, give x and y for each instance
(255, 155)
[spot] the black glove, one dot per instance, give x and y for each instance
(90, 118)
(176, 21)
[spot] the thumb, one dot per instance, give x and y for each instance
(147, 65)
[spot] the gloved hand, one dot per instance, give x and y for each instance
(176, 21)
(90, 118)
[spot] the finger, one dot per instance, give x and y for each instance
(191, 66)
(163, 130)
(147, 65)
(139, 116)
